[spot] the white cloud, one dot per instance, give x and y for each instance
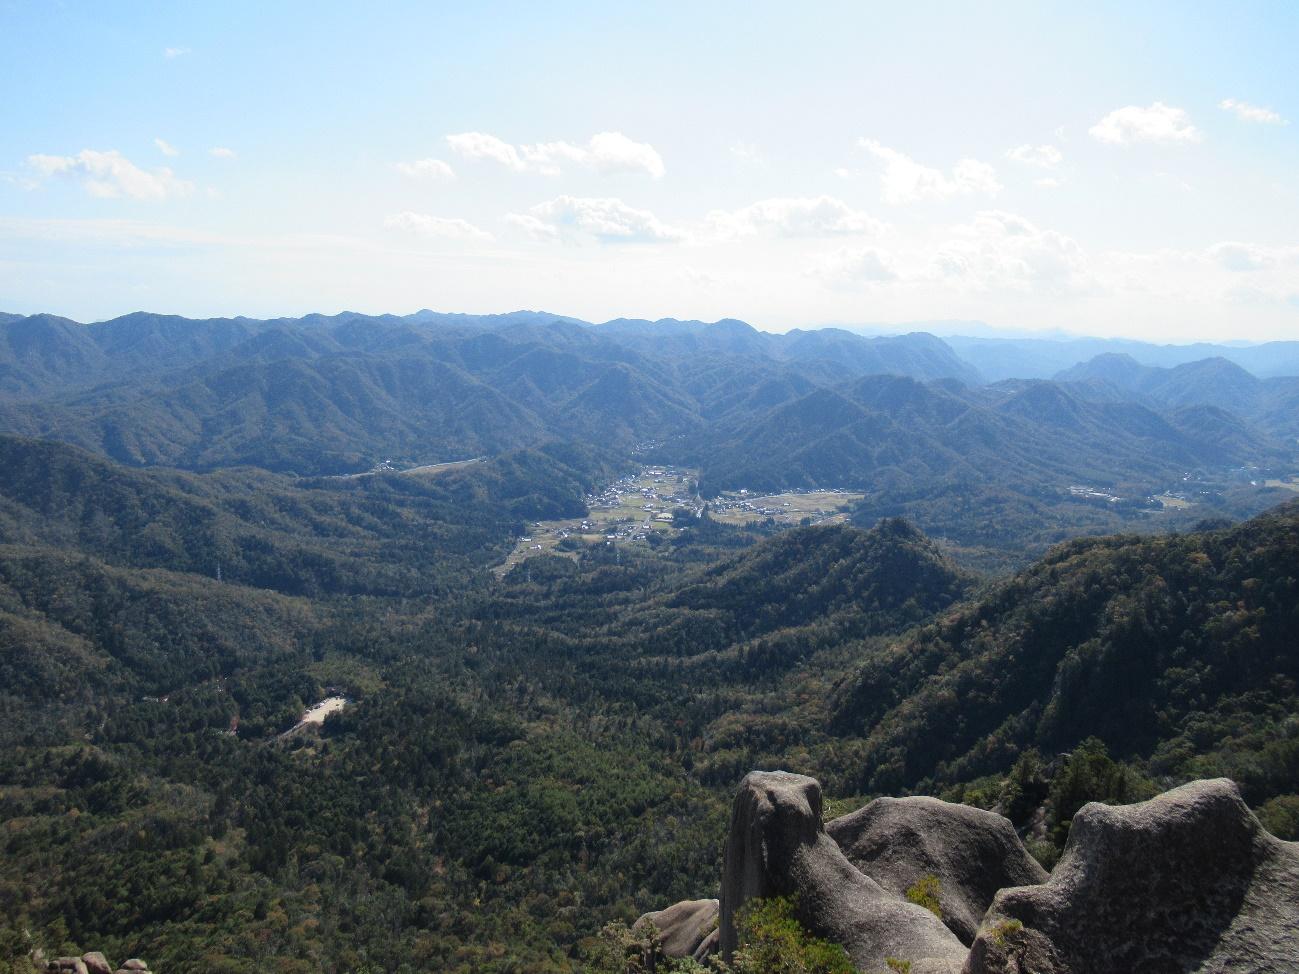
(849, 267)
(815, 216)
(608, 219)
(1003, 250)
(166, 148)
(606, 153)
(110, 174)
(1234, 255)
(1158, 123)
(1251, 113)
(613, 152)
(1047, 182)
(1042, 156)
(426, 168)
(904, 180)
(221, 152)
(441, 227)
(747, 152)
(171, 53)
(480, 145)
(534, 227)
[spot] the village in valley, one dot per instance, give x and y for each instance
(636, 508)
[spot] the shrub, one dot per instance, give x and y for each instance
(772, 941)
(924, 892)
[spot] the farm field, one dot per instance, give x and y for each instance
(627, 511)
(790, 507)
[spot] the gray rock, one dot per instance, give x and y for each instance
(708, 946)
(685, 928)
(972, 853)
(778, 846)
(96, 963)
(135, 964)
(1186, 882)
(73, 964)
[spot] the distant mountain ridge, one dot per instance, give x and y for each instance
(1041, 358)
(1217, 382)
(333, 394)
(42, 352)
(902, 418)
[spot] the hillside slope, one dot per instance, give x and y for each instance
(1179, 650)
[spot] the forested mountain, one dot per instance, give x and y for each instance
(1180, 650)
(523, 759)
(889, 432)
(576, 729)
(333, 395)
(992, 468)
(1273, 404)
(382, 534)
(206, 528)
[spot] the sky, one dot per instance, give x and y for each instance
(1107, 169)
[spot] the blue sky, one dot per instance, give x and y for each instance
(1090, 168)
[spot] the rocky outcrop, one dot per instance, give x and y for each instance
(899, 842)
(686, 929)
(778, 846)
(94, 962)
(1186, 882)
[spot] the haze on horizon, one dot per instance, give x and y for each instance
(1097, 171)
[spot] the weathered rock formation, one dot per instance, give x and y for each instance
(94, 962)
(1186, 882)
(686, 929)
(778, 846)
(972, 854)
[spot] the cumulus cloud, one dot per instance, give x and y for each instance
(1003, 250)
(438, 227)
(110, 174)
(903, 180)
(608, 219)
(852, 267)
(815, 216)
(1251, 113)
(1158, 123)
(171, 53)
(427, 169)
(221, 152)
(1042, 156)
(605, 152)
(480, 145)
(166, 148)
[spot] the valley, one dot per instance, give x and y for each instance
(674, 488)
(492, 704)
(637, 509)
